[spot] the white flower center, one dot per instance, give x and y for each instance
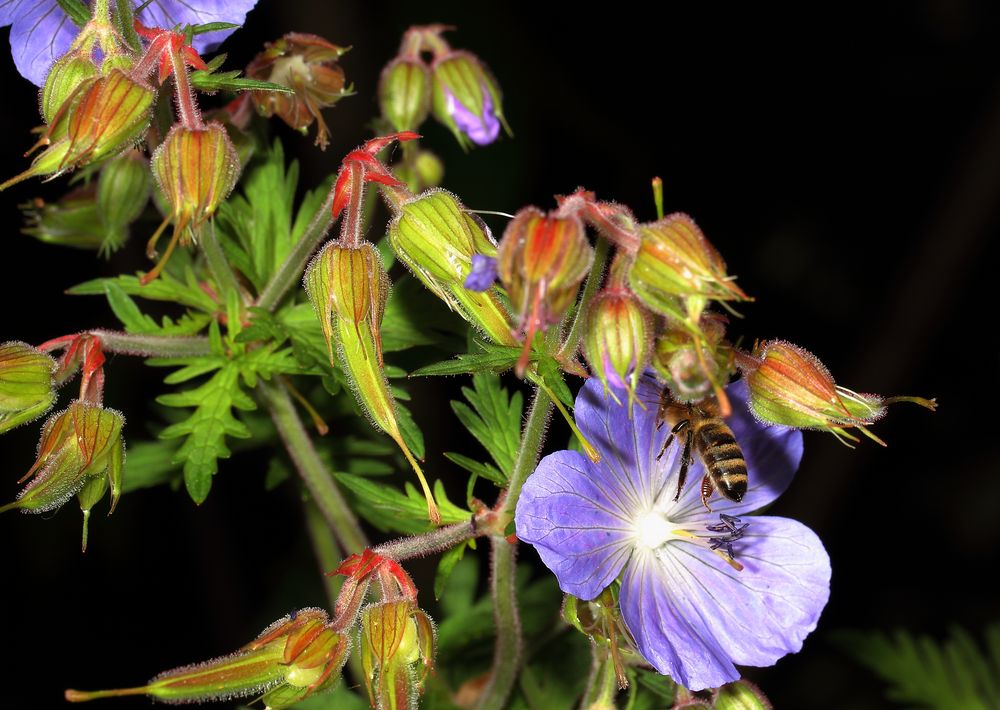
(652, 530)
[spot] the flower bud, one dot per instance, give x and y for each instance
(196, 169)
(404, 93)
(741, 695)
(617, 340)
(72, 221)
(437, 238)
(306, 64)
(541, 262)
(348, 289)
(674, 261)
(693, 364)
(466, 98)
(122, 193)
(397, 651)
(26, 387)
(67, 74)
(101, 118)
(293, 658)
(791, 387)
(78, 444)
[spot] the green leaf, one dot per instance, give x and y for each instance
(208, 426)
(124, 308)
(148, 464)
(485, 470)
(551, 375)
(212, 27)
(949, 674)
(231, 81)
(497, 358)
(387, 508)
(164, 288)
(76, 11)
(412, 435)
(444, 572)
(494, 419)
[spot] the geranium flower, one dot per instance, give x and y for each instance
(40, 32)
(700, 591)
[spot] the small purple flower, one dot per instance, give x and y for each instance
(483, 274)
(700, 591)
(40, 32)
(481, 129)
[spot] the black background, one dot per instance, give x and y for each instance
(847, 164)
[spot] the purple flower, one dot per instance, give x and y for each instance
(483, 274)
(481, 129)
(40, 32)
(692, 610)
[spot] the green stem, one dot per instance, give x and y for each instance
(218, 264)
(153, 345)
(314, 473)
(572, 341)
(290, 272)
(507, 654)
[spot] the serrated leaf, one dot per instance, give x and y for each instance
(461, 586)
(484, 470)
(388, 508)
(164, 288)
(148, 464)
(496, 359)
(232, 81)
(125, 309)
(494, 419)
(207, 427)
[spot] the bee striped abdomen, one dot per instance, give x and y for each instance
(723, 458)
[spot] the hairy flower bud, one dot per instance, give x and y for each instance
(675, 261)
(791, 387)
(78, 445)
(437, 238)
(617, 340)
(26, 387)
(397, 651)
(67, 74)
(306, 64)
(348, 288)
(71, 221)
(541, 261)
(294, 657)
(101, 118)
(692, 365)
(122, 193)
(741, 695)
(404, 93)
(467, 98)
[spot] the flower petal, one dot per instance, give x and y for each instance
(171, 13)
(628, 447)
(577, 524)
(692, 616)
(772, 454)
(40, 33)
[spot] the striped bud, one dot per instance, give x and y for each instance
(348, 288)
(78, 445)
(103, 117)
(676, 263)
(617, 340)
(397, 651)
(436, 238)
(71, 221)
(298, 655)
(26, 387)
(122, 193)
(67, 74)
(404, 93)
(541, 261)
(791, 387)
(466, 98)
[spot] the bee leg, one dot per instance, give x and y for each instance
(679, 426)
(706, 492)
(685, 457)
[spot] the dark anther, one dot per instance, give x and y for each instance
(733, 528)
(292, 614)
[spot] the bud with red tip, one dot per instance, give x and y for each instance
(404, 93)
(26, 387)
(676, 269)
(617, 340)
(467, 98)
(541, 261)
(296, 656)
(397, 651)
(306, 64)
(791, 387)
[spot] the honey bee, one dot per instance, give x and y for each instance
(706, 433)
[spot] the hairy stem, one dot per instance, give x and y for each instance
(437, 540)
(116, 341)
(572, 341)
(314, 473)
(507, 654)
(290, 272)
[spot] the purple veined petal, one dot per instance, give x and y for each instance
(483, 274)
(40, 33)
(481, 130)
(693, 616)
(579, 527)
(772, 454)
(170, 13)
(628, 446)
